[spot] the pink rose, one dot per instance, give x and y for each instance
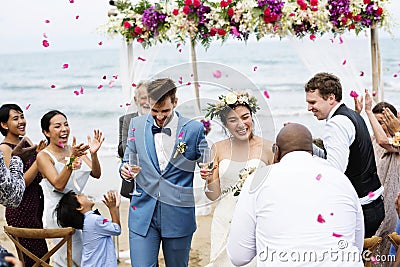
(127, 25)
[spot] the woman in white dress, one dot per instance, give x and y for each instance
(241, 153)
(65, 168)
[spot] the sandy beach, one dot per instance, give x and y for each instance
(199, 254)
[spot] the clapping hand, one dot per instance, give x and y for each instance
(392, 123)
(95, 144)
(112, 199)
(78, 150)
(358, 104)
(24, 153)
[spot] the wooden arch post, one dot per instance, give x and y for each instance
(195, 73)
(376, 66)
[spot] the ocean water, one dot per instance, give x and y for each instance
(280, 67)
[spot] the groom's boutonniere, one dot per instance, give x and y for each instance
(181, 147)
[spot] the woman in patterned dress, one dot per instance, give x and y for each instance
(29, 213)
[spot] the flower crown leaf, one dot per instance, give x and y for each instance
(232, 98)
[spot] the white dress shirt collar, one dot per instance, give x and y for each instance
(333, 110)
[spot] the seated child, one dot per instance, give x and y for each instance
(76, 211)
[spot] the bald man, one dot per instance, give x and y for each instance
(300, 211)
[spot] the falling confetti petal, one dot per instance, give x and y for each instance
(331, 214)
(77, 17)
(71, 1)
(266, 94)
(361, 73)
(45, 43)
(134, 207)
(318, 177)
(100, 43)
(188, 83)
(191, 75)
(111, 83)
(320, 219)
(340, 40)
(312, 37)
(180, 50)
(52, 86)
(47, 21)
(104, 221)
(65, 66)
(373, 93)
(142, 59)
(133, 84)
(100, 86)
(76, 92)
(371, 194)
(44, 35)
(217, 74)
(180, 80)
(336, 235)
(28, 106)
(104, 77)
(115, 77)
(133, 129)
(132, 138)
(127, 104)
(344, 62)
(60, 144)
(332, 40)
(180, 135)
(353, 94)
(81, 91)
(120, 106)
(395, 75)
(255, 68)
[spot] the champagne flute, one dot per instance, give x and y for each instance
(206, 166)
(134, 169)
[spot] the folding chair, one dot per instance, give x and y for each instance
(14, 233)
(371, 244)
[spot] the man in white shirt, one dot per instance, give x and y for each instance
(348, 145)
(298, 212)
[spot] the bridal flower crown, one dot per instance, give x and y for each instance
(232, 98)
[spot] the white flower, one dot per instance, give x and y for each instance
(231, 98)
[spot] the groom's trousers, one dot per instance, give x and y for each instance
(144, 249)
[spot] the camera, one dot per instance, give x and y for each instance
(3, 263)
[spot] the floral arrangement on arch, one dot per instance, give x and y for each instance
(208, 20)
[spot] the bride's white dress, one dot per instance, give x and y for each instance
(228, 175)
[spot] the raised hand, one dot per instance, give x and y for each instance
(95, 144)
(358, 104)
(392, 123)
(24, 153)
(78, 150)
(110, 200)
(42, 145)
(368, 101)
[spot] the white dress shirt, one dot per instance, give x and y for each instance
(164, 143)
(300, 207)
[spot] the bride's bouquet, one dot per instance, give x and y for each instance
(237, 188)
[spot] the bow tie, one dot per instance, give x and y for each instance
(155, 129)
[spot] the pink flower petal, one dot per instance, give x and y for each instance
(312, 37)
(44, 35)
(45, 43)
(371, 194)
(120, 106)
(133, 207)
(188, 83)
(217, 74)
(60, 144)
(104, 77)
(111, 83)
(254, 68)
(180, 135)
(178, 45)
(191, 75)
(127, 104)
(133, 129)
(28, 106)
(318, 177)
(132, 138)
(76, 92)
(373, 93)
(71, 1)
(142, 59)
(340, 40)
(266, 94)
(52, 86)
(77, 17)
(331, 214)
(100, 43)
(65, 66)
(47, 21)
(336, 235)
(104, 221)
(81, 91)
(115, 77)
(133, 84)
(395, 75)
(344, 62)
(332, 40)
(100, 86)
(180, 50)
(353, 94)
(361, 73)
(180, 80)
(320, 219)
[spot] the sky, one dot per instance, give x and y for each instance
(22, 25)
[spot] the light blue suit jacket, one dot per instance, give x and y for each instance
(173, 187)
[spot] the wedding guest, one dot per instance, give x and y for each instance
(348, 145)
(388, 165)
(243, 149)
(76, 211)
(168, 145)
(297, 206)
(12, 187)
(391, 121)
(65, 167)
(29, 213)
(142, 103)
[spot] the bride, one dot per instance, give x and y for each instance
(239, 154)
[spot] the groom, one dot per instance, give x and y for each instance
(168, 146)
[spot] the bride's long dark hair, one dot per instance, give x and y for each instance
(224, 114)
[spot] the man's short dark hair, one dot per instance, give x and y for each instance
(160, 89)
(327, 84)
(67, 213)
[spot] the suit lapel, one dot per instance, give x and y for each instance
(150, 146)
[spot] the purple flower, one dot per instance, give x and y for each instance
(338, 9)
(152, 18)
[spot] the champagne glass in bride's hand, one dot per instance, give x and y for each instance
(206, 166)
(134, 169)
